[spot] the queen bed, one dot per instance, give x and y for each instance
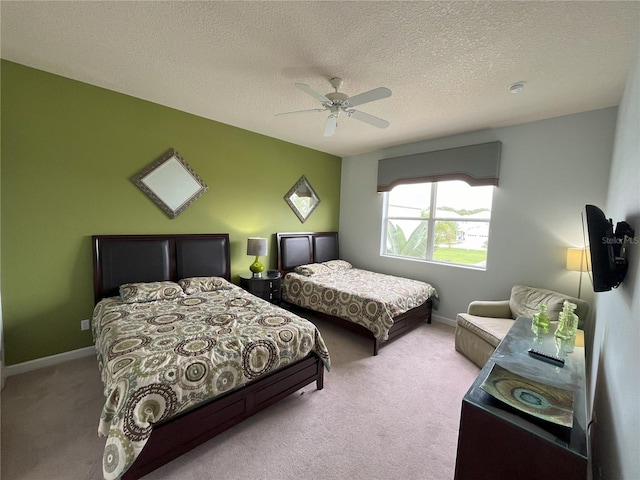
(183, 353)
(370, 303)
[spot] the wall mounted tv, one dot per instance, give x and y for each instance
(607, 249)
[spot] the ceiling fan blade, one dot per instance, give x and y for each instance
(370, 119)
(314, 110)
(370, 96)
(307, 89)
(330, 126)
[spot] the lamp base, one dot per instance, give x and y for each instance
(257, 268)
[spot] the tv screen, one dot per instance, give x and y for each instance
(607, 249)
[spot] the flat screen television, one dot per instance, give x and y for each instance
(607, 249)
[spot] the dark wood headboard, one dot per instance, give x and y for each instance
(119, 259)
(300, 248)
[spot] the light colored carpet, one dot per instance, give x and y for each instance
(393, 416)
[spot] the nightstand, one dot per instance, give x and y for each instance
(267, 288)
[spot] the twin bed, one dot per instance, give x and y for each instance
(184, 354)
(370, 303)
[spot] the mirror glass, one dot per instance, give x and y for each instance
(171, 183)
(302, 199)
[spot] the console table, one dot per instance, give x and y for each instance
(497, 441)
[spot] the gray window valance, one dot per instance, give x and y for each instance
(475, 164)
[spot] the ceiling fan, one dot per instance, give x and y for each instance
(336, 102)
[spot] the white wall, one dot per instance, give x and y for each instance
(616, 360)
(549, 170)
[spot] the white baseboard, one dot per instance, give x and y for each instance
(47, 361)
(446, 321)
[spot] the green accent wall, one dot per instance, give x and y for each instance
(68, 153)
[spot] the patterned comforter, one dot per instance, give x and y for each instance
(160, 358)
(367, 298)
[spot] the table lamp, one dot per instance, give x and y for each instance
(257, 246)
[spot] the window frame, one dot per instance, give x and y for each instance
(431, 223)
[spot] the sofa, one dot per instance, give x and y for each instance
(485, 324)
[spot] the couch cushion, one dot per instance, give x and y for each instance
(472, 346)
(492, 330)
(525, 301)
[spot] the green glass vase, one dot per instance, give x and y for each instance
(567, 328)
(540, 321)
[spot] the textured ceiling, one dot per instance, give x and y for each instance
(448, 64)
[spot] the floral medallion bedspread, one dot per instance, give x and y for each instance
(160, 358)
(367, 298)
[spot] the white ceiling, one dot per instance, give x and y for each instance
(448, 64)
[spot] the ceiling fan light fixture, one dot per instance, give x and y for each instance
(331, 125)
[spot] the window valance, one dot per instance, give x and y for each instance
(475, 164)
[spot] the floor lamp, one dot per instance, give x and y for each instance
(577, 262)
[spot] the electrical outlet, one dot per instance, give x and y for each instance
(84, 324)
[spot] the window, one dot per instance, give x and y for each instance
(445, 222)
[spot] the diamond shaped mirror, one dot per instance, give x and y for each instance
(302, 199)
(171, 183)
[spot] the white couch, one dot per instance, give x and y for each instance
(480, 330)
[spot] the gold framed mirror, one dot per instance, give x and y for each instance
(302, 199)
(171, 183)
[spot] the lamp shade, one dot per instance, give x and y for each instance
(577, 259)
(257, 246)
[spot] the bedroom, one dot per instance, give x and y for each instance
(68, 153)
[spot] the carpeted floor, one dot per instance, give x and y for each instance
(393, 416)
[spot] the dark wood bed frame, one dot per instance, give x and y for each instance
(300, 248)
(119, 259)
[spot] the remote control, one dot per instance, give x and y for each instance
(547, 357)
